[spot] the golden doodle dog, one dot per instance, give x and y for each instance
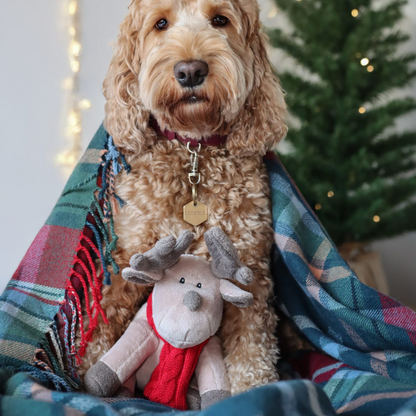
(197, 68)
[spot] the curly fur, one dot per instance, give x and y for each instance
(241, 98)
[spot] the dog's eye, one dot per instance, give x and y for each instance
(161, 24)
(199, 285)
(182, 280)
(219, 21)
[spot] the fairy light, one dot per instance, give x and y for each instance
(272, 12)
(355, 13)
(85, 104)
(73, 7)
(370, 68)
(361, 110)
(330, 194)
(364, 61)
(318, 207)
(376, 218)
(73, 132)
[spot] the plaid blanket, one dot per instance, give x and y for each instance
(365, 358)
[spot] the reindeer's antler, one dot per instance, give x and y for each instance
(165, 253)
(225, 261)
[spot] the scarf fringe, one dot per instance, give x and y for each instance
(84, 288)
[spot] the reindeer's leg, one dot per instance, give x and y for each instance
(248, 335)
(212, 375)
(128, 388)
(124, 358)
(120, 303)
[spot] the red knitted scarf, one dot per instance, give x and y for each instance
(169, 382)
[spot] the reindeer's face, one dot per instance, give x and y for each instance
(189, 291)
(187, 303)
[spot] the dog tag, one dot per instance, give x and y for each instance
(195, 214)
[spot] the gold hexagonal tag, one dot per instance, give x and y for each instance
(195, 214)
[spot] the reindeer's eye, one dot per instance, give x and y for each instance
(161, 24)
(220, 21)
(199, 285)
(182, 280)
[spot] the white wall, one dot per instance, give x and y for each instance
(33, 63)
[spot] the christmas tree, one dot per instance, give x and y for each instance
(353, 168)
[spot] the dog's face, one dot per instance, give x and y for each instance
(200, 68)
(196, 67)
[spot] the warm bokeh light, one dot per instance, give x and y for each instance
(75, 48)
(75, 66)
(72, 8)
(318, 207)
(364, 61)
(376, 218)
(330, 194)
(354, 13)
(361, 110)
(85, 104)
(370, 68)
(272, 13)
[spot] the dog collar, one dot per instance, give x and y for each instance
(214, 140)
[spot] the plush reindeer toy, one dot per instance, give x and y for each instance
(172, 337)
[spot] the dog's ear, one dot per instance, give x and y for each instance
(261, 124)
(126, 118)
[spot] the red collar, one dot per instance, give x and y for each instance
(214, 140)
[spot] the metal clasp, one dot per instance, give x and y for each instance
(194, 176)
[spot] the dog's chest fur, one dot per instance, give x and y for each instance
(235, 190)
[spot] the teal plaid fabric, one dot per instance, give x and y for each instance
(365, 363)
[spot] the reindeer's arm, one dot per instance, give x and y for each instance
(124, 358)
(212, 375)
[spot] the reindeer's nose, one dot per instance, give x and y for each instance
(190, 73)
(192, 300)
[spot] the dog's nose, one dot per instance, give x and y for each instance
(191, 73)
(192, 300)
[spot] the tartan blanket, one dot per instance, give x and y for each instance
(365, 358)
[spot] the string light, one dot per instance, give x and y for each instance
(273, 12)
(361, 110)
(330, 194)
(70, 156)
(318, 207)
(85, 104)
(72, 7)
(354, 13)
(364, 61)
(370, 68)
(376, 218)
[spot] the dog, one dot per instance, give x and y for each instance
(197, 68)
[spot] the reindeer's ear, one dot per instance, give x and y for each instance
(261, 123)
(233, 294)
(126, 117)
(141, 278)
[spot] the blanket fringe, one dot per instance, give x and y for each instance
(84, 288)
